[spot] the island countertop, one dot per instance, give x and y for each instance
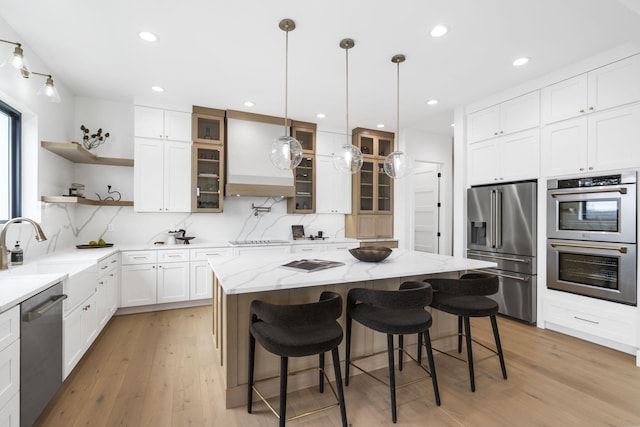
(264, 272)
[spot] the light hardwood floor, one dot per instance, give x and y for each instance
(158, 369)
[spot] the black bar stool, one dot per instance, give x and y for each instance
(296, 331)
(465, 298)
(400, 313)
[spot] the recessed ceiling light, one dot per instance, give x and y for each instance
(248, 104)
(157, 89)
(453, 125)
(147, 36)
(439, 31)
(432, 102)
(520, 61)
(321, 115)
(380, 125)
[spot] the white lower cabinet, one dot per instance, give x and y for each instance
(10, 367)
(201, 280)
(154, 277)
(80, 329)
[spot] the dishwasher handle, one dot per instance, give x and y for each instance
(53, 301)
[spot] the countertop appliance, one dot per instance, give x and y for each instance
(40, 351)
(502, 227)
(591, 236)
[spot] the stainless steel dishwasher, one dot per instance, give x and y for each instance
(40, 351)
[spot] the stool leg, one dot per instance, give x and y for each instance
(432, 366)
(284, 363)
(336, 368)
(252, 352)
(400, 347)
(419, 348)
(321, 373)
(467, 330)
(347, 360)
(392, 378)
(459, 334)
(496, 335)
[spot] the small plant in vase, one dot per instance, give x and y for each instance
(92, 140)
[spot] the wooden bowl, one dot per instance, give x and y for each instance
(371, 253)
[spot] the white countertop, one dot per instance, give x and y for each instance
(263, 272)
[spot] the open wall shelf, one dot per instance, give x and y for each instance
(76, 153)
(83, 201)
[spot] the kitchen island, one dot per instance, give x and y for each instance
(238, 280)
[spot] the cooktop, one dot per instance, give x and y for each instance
(257, 242)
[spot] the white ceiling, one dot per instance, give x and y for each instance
(222, 53)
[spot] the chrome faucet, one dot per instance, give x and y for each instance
(40, 237)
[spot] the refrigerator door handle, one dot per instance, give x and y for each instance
(498, 220)
(498, 257)
(508, 276)
(492, 221)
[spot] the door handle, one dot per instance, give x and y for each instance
(498, 219)
(53, 301)
(508, 276)
(498, 257)
(595, 191)
(620, 249)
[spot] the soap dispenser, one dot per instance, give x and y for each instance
(17, 256)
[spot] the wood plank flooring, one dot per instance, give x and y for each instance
(159, 369)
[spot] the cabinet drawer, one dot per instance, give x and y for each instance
(9, 326)
(139, 257)
(9, 372)
(615, 323)
(307, 248)
(107, 264)
(202, 254)
(173, 256)
(10, 413)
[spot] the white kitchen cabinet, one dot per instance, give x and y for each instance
(333, 188)
(606, 87)
(80, 328)
(508, 158)
(600, 141)
(307, 248)
(341, 246)
(10, 366)
(162, 176)
(107, 289)
(511, 116)
(153, 277)
(162, 124)
(201, 277)
(283, 249)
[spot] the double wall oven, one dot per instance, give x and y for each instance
(591, 236)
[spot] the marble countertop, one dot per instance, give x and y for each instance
(263, 272)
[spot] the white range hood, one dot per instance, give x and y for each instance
(249, 168)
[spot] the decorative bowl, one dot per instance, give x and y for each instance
(371, 253)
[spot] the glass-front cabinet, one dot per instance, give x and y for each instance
(208, 125)
(304, 174)
(208, 178)
(372, 188)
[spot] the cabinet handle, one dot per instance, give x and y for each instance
(501, 132)
(113, 260)
(582, 110)
(153, 266)
(495, 133)
(100, 283)
(586, 320)
(111, 275)
(103, 267)
(159, 266)
(161, 135)
(590, 168)
(591, 108)
(581, 169)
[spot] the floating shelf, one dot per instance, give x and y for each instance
(83, 201)
(76, 153)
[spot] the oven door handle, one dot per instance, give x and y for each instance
(508, 276)
(504, 258)
(35, 314)
(594, 191)
(621, 249)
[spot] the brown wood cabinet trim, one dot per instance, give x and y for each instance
(253, 117)
(371, 132)
(304, 125)
(208, 111)
(259, 190)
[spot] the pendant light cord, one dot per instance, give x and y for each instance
(398, 106)
(286, 81)
(347, 97)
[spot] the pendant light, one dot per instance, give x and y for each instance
(17, 59)
(48, 89)
(348, 158)
(286, 151)
(398, 164)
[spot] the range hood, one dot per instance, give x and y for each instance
(249, 168)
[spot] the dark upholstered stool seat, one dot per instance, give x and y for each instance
(295, 331)
(399, 313)
(465, 298)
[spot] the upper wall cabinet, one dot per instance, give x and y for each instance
(605, 87)
(162, 124)
(208, 125)
(517, 114)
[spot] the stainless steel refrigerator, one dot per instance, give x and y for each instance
(501, 227)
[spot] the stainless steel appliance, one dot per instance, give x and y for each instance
(502, 227)
(40, 351)
(591, 230)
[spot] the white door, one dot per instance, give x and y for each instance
(427, 197)
(148, 176)
(173, 282)
(177, 177)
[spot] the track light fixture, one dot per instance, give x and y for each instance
(48, 89)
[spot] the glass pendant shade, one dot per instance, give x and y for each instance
(398, 165)
(18, 61)
(49, 90)
(348, 159)
(286, 152)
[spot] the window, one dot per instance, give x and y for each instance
(10, 206)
